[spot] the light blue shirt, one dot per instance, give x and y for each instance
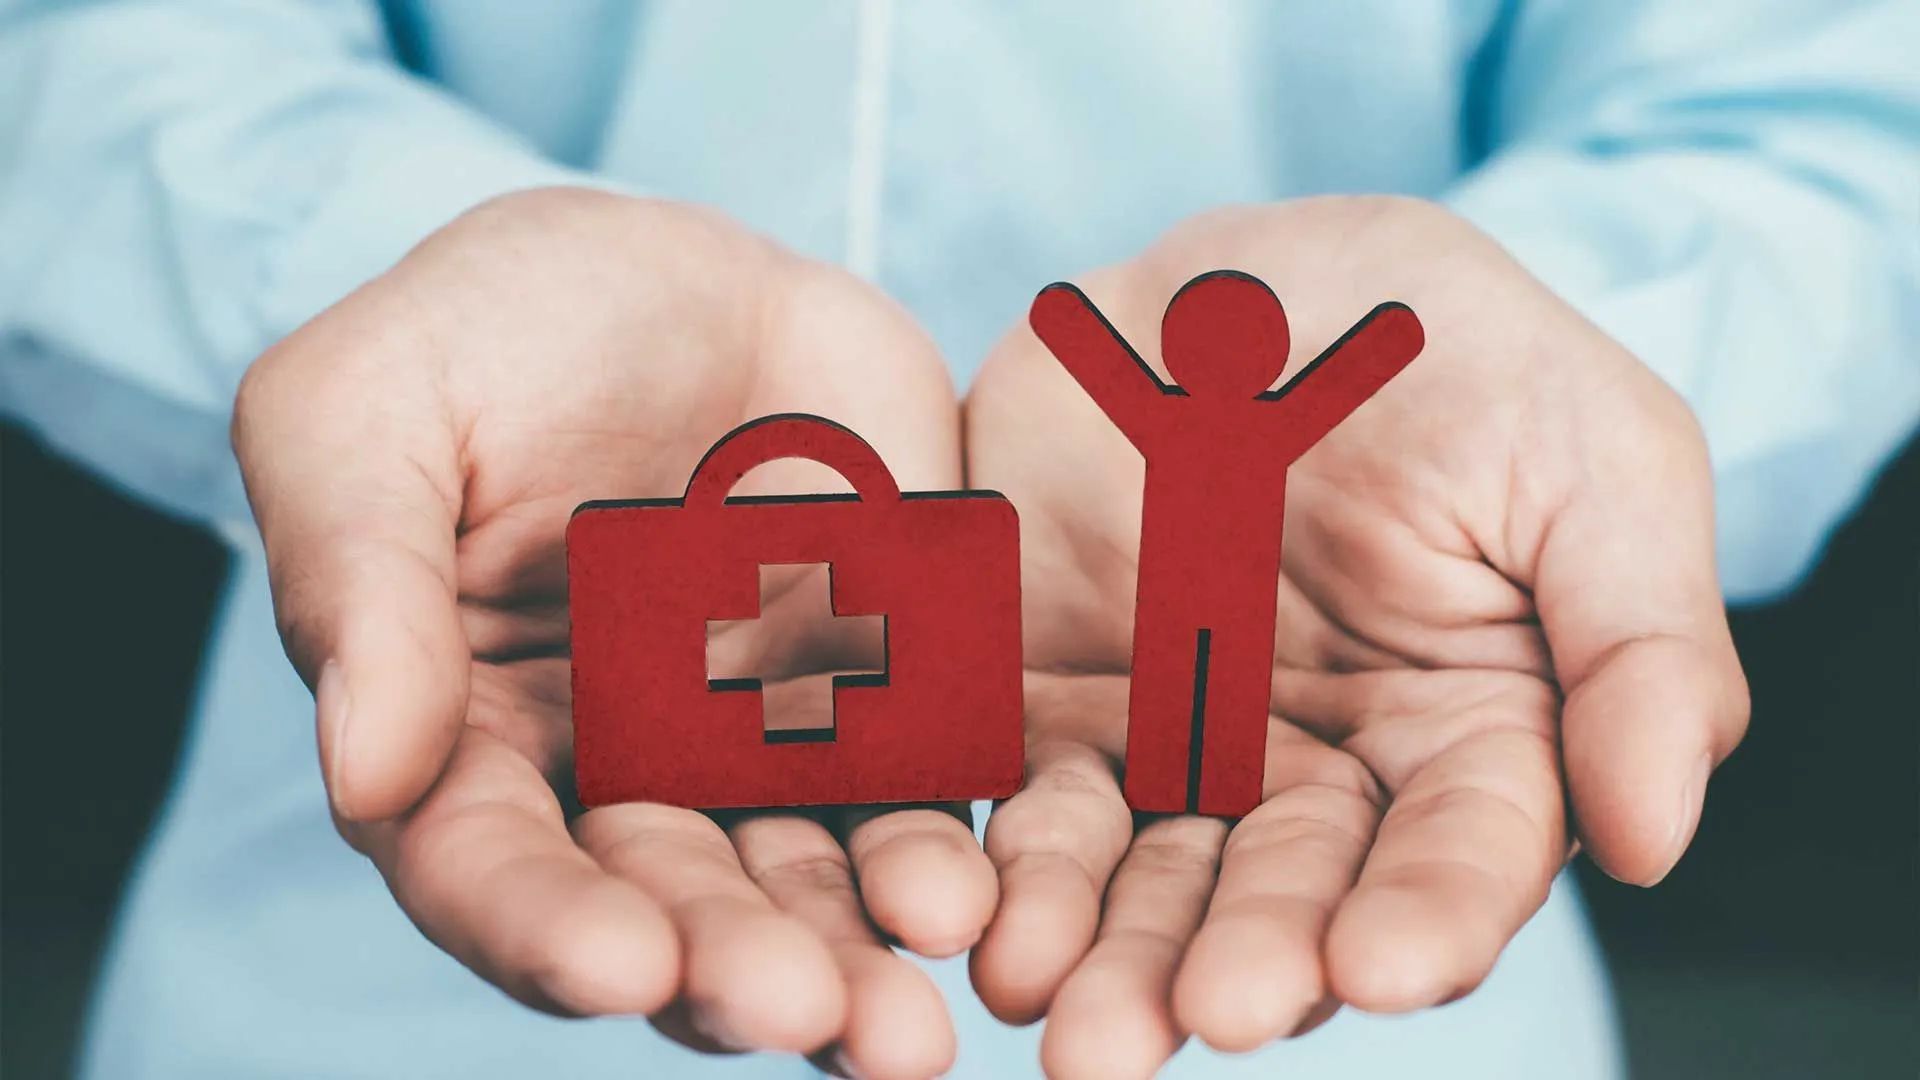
(1730, 187)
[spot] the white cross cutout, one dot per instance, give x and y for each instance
(796, 651)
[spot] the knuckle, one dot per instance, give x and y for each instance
(815, 873)
(258, 393)
(1737, 713)
(1342, 774)
(296, 614)
(1019, 828)
(1179, 846)
(1066, 829)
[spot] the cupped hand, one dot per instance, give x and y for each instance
(413, 455)
(1497, 607)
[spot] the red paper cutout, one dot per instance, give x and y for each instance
(1217, 447)
(942, 723)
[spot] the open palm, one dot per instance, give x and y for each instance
(1497, 602)
(413, 456)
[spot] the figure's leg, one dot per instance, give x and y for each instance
(1168, 609)
(1230, 760)
(1160, 708)
(1197, 728)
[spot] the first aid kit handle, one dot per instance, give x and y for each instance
(790, 435)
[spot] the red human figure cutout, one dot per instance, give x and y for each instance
(1217, 447)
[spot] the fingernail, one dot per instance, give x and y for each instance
(709, 1024)
(1687, 822)
(332, 706)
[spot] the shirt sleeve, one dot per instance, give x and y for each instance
(1732, 190)
(181, 184)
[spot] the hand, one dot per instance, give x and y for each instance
(1497, 602)
(413, 455)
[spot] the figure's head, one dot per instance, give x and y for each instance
(1224, 335)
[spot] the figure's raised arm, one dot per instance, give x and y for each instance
(1343, 377)
(1088, 346)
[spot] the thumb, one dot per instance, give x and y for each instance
(353, 479)
(1631, 605)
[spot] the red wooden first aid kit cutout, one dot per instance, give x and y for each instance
(940, 720)
(1217, 447)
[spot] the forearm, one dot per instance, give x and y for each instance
(1744, 220)
(188, 182)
